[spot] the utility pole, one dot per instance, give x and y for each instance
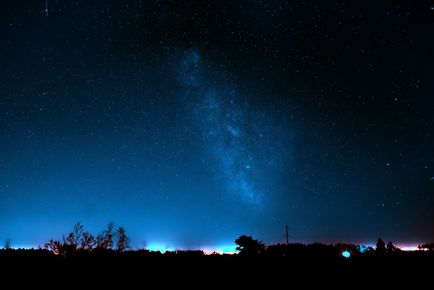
(286, 234)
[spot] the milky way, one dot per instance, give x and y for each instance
(235, 135)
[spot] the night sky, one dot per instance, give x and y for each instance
(193, 122)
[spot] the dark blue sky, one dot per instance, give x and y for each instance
(193, 122)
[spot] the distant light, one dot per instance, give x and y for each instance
(409, 248)
(220, 250)
(346, 254)
(227, 250)
(22, 247)
(363, 248)
(159, 248)
(207, 250)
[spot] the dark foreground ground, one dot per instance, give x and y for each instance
(191, 269)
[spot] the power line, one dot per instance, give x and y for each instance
(46, 8)
(287, 234)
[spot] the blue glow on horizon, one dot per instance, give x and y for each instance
(227, 249)
(159, 248)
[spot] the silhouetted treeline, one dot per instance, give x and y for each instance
(113, 242)
(427, 247)
(82, 242)
(25, 253)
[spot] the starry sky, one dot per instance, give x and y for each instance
(193, 122)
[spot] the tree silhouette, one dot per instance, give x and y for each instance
(104, 241)
(87, 241)
(380, 247)
(79, 239)
(391, 248)
(74, 239)
(426, 247)
(249, 246)
(122, 240)
(7, 244)
(55, 246)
